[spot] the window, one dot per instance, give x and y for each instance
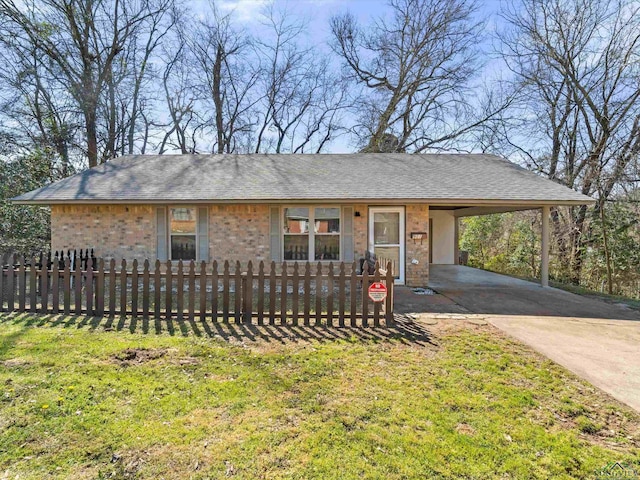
(182, 233)
(320, 243)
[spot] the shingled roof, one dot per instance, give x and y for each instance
(438, 179)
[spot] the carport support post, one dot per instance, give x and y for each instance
(544, 271)
(456, 241)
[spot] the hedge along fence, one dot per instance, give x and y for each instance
(295, 293)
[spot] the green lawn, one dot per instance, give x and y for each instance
(85, 398)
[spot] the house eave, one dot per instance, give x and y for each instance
(440, 202)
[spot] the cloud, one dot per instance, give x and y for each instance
(250, 10)
(245, 10)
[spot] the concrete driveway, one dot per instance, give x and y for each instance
(595, 340)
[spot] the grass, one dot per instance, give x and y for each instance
(93, 398)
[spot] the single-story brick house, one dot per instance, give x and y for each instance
(324, 208)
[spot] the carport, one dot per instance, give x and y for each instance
(443, 229)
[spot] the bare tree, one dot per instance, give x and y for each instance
(80, 40)
(38, 111)
(579, 89)
(184, 121)
(301, 99)
(414, 67)
(225, 78)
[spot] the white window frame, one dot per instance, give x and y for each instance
(169, 234)
(312, 234)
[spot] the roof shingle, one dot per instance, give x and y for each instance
(430, 178)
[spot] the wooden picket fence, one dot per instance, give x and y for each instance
(286, 293)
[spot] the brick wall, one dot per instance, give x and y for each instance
(113, 231)
(360, 231)
(417, 220)
(239, 232)
(236, 232)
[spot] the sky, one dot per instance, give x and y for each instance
(318, 13)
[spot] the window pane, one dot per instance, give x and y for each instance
(183, 220)
(327, 220)
(296, 247)
(386, 228)
(296, 220)
(327, 247)
(386, 254)
(183, 247)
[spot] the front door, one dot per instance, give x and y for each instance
(386, 237)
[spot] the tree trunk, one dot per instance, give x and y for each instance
(607, 253)
(217, 98)
(92, 138)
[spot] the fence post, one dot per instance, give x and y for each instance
(318, 283)
(214, 291)
(123, 288)
(192, 289)
(180, 291)
(365, 296)
(134, 288)
(283, 293)
(112, 287)
(66, 286)
(44, 288)
(55, 285)
(33, 286)
(261, 293)
(100, 289)
(389, 318)
(354, 295)
(376, 305)
(2, 282)
(157, 290)
(295, 298)
(225, 292)
(11, 285)
(307, 293)
(77, 285)
(22, 287)
(238, 295)
(88, 279)
(168, 290)
(342, 294)
(330, 279)
(247, 294)
(272, 294)
(145, 289)
(203, 291)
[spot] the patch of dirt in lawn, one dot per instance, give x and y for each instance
(138, 356)
(465, 429)
(15, 363)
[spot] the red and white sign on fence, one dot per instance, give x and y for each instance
(377, 292)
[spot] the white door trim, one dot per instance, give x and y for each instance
(400, 211)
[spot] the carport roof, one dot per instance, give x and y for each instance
(437, 179)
